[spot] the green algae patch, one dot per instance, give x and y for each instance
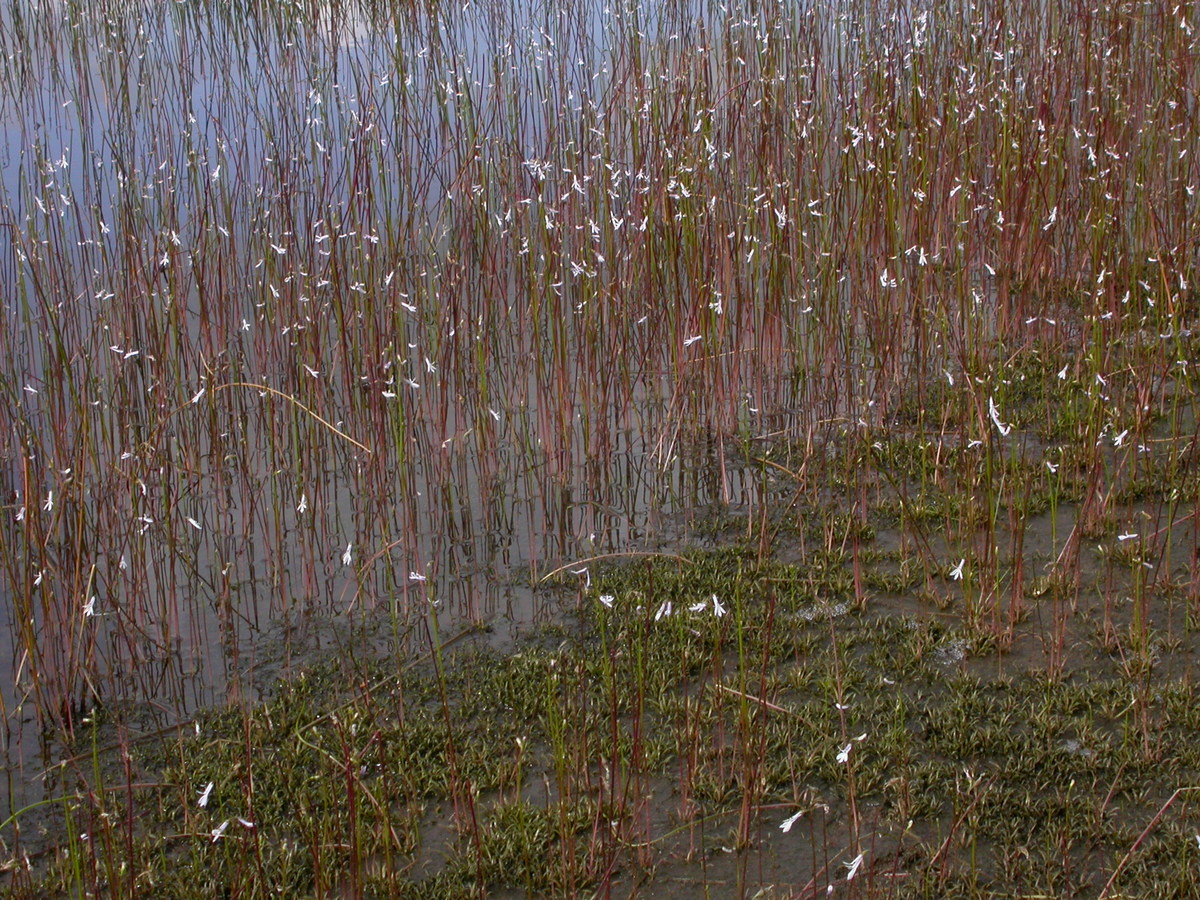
(660, 741)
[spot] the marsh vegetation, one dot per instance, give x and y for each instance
(484, 449)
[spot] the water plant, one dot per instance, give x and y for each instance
(374, 326)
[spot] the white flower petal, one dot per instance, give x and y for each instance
(853, 867)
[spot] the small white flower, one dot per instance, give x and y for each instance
(786, 825)
(843, 756)
(664, 610)
(198, 395)
(853, 866)
(687, 342)
(415, 576)
(718, 609)
(957, 572)
(302, 506)
(607, 600)
(89, 608)
(1127, 537)
(995, 414)
(348, 556)
(205, 794)
(245, 823)
(219, 831)
(49, 504)
(193, 523)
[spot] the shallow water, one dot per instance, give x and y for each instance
(316, 323)
(204, 201)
